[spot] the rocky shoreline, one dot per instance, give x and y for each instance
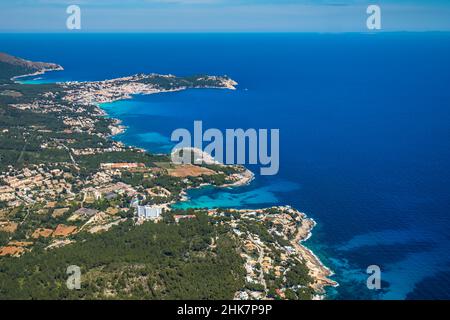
(318, 270)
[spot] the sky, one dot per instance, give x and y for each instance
(223, 15)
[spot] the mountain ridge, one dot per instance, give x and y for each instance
(12, 60)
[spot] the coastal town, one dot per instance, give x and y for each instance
(87, 93)
(273, 254)
(63, 179)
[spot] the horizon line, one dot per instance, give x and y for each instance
(223, 32)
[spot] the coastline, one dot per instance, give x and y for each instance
(124, 88)
(37, 73)
(348, 194)
(318, 270)
(245, 179)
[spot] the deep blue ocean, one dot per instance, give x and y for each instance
(364, 125)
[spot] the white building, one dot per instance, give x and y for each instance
(148, 212)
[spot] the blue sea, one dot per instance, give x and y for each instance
(364, 125)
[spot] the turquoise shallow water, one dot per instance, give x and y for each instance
(364, 124)
(242, 197)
